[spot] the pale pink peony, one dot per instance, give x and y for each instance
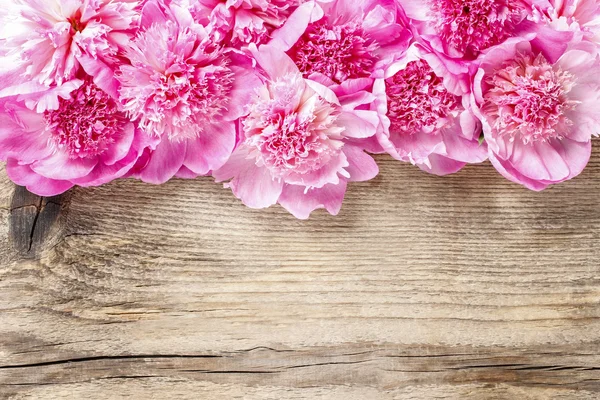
(48, 41)
(465, 28)
(297, 144)
(237, 23)
(185, 90)
(426, 116)
(539, 115)
(88, 141)
(351, 40)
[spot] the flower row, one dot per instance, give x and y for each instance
(283, 100)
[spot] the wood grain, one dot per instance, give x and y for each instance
(465, 287)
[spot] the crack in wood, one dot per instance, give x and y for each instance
(38, 210)
(154, 357)
(108, 358)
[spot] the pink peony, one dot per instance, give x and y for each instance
(184, 90)
(539, 114)
(297, 144)
(426, 116)
(465, 28)
(350, 41)
(87, 141)
(48, 41)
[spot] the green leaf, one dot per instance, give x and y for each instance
(481, 139)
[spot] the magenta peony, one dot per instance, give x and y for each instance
(426, 117)
(185, 90)
(346, 40)
(88, 141)
(465, 28)
(538, 114)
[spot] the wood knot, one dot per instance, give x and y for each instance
(32, 219)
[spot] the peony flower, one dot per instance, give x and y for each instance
(350, 41)
(48, 41)
(237, 23)
(426, 116)
(184, 90)
(297, 143)
(465, 28)
(88, 141)
(538, 114)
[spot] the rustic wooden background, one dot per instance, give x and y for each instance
(467, 287)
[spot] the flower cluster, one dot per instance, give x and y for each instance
(283, 101)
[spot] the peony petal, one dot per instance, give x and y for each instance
(328, 174)
(152, 14)
(250, 183)
(274, 61)
(103, 174)
(23, 175)
(243, 90)
(60, 166)
(576, 154)
(539, 161)
(186, 173)
(323, 91)
(362, 167)
(441, 165)
(512, 175)
(104, 76)
(295, 26)
(359, 124)
(22, 135)
(211, 149)
(416, 148)
(301, 202)
(164, 162)
(461, 149)
(121, 147)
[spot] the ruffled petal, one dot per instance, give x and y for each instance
(252, 184)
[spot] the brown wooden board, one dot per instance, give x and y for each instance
(464, 287)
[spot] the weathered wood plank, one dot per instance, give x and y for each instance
(157, 388)
(465, 287)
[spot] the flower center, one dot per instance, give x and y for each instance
(86, 124)
(339, 52)
(471, 26)
(76, 23)
(418, 100)
(292, 138)
(195, 96)
(528, 100)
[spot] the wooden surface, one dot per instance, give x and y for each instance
(467, 287)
